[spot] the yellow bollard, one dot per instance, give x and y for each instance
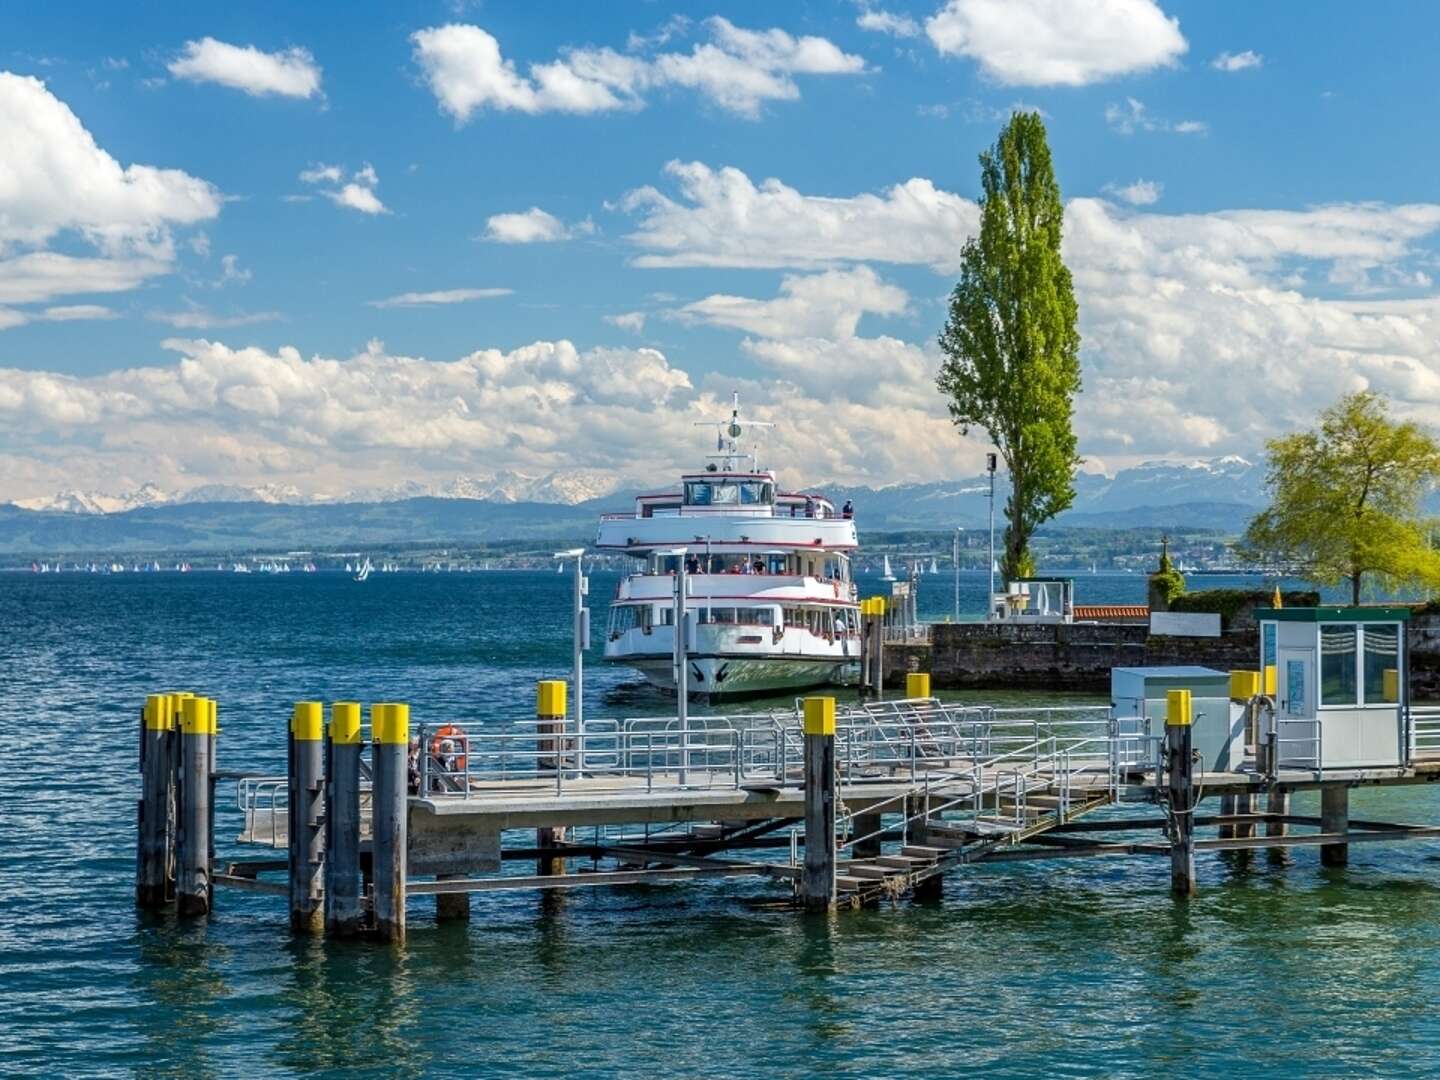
(917, 684)
(1244, 685)
(307, 721)
(345, 723)
(819, 716)
(390, 734)
(1178, 711)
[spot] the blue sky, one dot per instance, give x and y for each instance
(434, 239)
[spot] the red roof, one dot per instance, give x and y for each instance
(1112, 611)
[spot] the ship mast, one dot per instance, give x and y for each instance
(727, 440)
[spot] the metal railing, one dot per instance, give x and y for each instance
(1424, 727)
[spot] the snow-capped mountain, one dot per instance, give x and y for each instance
(567, 489)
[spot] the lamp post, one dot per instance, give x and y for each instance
(681, 657)
(581, 631)
(991, 461)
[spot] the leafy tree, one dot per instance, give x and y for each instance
(1011, 347)
(1166, 584)
(1345, 499)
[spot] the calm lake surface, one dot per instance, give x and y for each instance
(1086, 969)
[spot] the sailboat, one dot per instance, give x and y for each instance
(934, 566)
(889, 574)
(365, 569)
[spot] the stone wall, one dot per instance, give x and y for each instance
(1079, 656)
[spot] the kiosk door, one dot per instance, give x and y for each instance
(1295, 682)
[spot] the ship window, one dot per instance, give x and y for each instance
(697, 493)
(725, 495)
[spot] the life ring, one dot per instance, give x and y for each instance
(447, 733)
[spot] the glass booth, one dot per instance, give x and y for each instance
(1339, 685)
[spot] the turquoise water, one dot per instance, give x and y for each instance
(1085, 969)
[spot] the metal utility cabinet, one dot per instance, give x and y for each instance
(1219, 728)
(1339, 685)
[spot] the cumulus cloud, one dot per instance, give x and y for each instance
(287, 73)
(887, 22)
(1057, 42)
(442, 296)
(533, 226)
(358, 193)
(722, 218)
(736, 69)
(1140, 193)
(1240, 61)
(827, 305)
(1132, 116)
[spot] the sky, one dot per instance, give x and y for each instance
(260, 244)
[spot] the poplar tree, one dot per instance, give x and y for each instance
(1345, 499)
(1011, 346)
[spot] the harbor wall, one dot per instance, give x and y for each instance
(1079, 656)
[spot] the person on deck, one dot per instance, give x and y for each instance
(848, 510)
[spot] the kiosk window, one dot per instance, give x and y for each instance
(1382, 654)
(1338, 663)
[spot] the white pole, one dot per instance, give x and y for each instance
(956, 556)
(990, 600)
(578, 661)
(682, 665)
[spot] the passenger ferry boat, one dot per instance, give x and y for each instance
(771, 604)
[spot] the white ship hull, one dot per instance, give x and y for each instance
(735, 676)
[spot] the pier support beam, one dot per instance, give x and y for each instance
(1278, 803)
(390, 741)
(154, 828)
(194, 885)
(1227, 809)
(307, 817)
(452, 907)
(866, 827)
(342, 824)
(550, 748)
(1178, 718)
(1334, 818)
(1245, 805)
(817, 880)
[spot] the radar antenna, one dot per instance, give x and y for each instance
(727, 436)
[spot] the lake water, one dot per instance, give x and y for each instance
(1083, 969)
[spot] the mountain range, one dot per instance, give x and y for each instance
(1221, 494)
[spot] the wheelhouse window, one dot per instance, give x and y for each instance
(1382, 654)
(1338, 665)
(729, 493)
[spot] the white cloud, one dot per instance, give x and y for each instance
(231, 272)
(441, 296)
(1140, 193)
(826, 305)
(737, 69)
(356, 194)
(57, 184)
(196, 317)
(887, 22)
(9, 317)
(1132, 116)
(288, 73)
(722, 218)
(1240, 61)
(633, 321)
(1057, 42)
(533, 226)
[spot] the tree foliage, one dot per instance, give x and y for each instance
(1345, 499)
(1011, 345)
(1166, 584)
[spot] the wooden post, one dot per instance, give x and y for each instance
(550, 744)
(817, 881)
(1245, 805)
(390, 745)
(1277, 803)
(307, 813)
(342, 824)
(1334, 818)
(197, 734)
(1227, 809)
(153, 828)
(1178, 718)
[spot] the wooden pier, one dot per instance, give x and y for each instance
(839, 806)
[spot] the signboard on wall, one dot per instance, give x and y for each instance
(1185, 624)
(1295, 687)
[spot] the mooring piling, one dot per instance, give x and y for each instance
(1334, 818)
(1179, 742)
(307, 816)
(390, 746)
(154, 828)
(817, 882)
(342, 820)
(197, 736)
(549, 748)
